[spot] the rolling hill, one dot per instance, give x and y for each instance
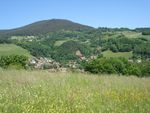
(45, 26)
(60, 39)
(11, 49)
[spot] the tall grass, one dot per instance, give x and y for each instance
(44, 92)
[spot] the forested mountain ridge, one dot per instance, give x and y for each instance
(45, 26)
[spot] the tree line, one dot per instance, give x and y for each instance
(119, 66)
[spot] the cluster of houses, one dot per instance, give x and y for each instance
(82, 57)
(53, 66)
(44, 63)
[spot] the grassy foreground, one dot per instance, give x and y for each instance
(44, 92)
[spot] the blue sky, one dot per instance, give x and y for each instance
(96, 13)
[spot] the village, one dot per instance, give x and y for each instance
(51, 65)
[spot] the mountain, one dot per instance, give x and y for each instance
(45, 26)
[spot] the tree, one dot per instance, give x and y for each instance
(20, 60)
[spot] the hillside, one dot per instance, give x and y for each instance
(72, 44)
(11, 49)
(43, 27)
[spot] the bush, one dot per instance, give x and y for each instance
(119, 66)
(145, 68)
(133, 69)
(100, 65)
(18, 61)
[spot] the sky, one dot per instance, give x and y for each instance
(95, 13)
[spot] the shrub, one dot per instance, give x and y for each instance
(145, 68)
(13, 60)
(133, 69)
(119, 66)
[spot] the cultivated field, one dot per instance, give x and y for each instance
(45, 92)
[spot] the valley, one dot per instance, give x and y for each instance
(75, 46)
(74, 56)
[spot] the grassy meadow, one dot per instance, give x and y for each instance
(11, 49)
(45, 92)
(109, 54)
(60, 42)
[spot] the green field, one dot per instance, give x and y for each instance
(131, 34)
(109, 54)
(128, 34)
(60, 42)
(45, 92)
(10, 49)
